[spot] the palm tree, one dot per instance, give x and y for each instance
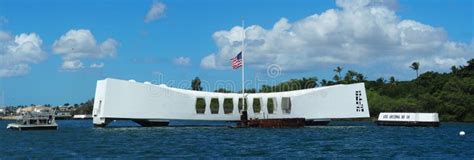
(350, 76)
(415, 66)
(196, 84)
(380, 80)
(392, 80)
(336, 78)
(360, 77)
(454, 70)
(338, 70)
(324, 82)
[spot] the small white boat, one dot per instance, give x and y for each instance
(35, 118)
(408, 119)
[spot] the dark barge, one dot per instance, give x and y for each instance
(270, 123)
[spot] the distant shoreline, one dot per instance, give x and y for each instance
(13, 118)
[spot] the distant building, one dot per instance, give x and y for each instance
(82, 116)
(63, 114)
(64, 108)
(2, 112)
(20, 110)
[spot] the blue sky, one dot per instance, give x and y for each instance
(185, 39)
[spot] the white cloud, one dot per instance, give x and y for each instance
(4, 36)
(17, 54)
(156, 11)
(182, 61)
(364, 32)
(81, 44)
(15, 70)
(97, 65)
(448, 62)
(209, 62)
(72, 65)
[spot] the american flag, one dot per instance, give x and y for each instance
(236, 62)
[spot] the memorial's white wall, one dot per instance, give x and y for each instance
(120, 99)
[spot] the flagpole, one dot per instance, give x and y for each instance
(243, 66)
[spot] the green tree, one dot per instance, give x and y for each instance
(324, 82)
(392, 80)
(84, 107)
(250, 90)
(338, 70)
(360, 77)
(415, 66)
(306, 83)
(380, 80)
(336, 78)
(223, 90)
(454, 69)
(196, 84)
(351, 76)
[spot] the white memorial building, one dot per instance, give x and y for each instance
(150, 105)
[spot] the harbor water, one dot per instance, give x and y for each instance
(78, 139)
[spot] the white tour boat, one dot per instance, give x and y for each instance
(408, 119)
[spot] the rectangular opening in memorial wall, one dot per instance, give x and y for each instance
(271, 105)
(228, 106)
(256, 105)
(286, 105)
(200, 105)
(214, 106)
